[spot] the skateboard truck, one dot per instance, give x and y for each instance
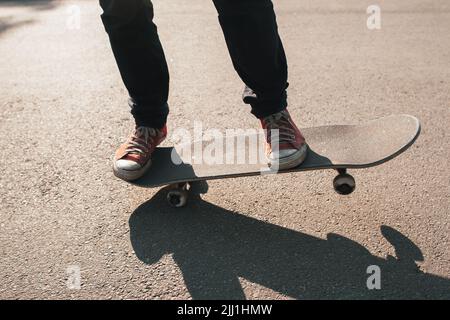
(178, 193)
(344, 183)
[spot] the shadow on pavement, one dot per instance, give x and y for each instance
(10, 22)
(213, 247)
(7, 24)
(35, 4)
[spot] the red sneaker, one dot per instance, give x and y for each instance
(292, 148)
(133, 158)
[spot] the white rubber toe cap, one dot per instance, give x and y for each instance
(127, 165)
(288, 158)
(281, 154)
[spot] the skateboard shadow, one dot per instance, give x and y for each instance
(213, 247)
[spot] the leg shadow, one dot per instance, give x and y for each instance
(213, 247)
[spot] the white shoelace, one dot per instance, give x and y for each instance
(141, 139)
(280, 122)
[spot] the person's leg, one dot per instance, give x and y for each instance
(251, 34)
(140, 58)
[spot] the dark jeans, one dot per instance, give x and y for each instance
(251, 34)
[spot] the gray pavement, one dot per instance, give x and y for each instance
(63, 112)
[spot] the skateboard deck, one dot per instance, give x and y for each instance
(329, 147)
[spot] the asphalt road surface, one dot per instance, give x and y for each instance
(70, 229)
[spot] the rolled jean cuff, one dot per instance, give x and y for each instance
(265, 110)
(149, 116)
(265, 106)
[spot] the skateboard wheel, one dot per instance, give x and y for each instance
(177, 198)
(344, 184)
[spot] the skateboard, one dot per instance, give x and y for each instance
(337, 147)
